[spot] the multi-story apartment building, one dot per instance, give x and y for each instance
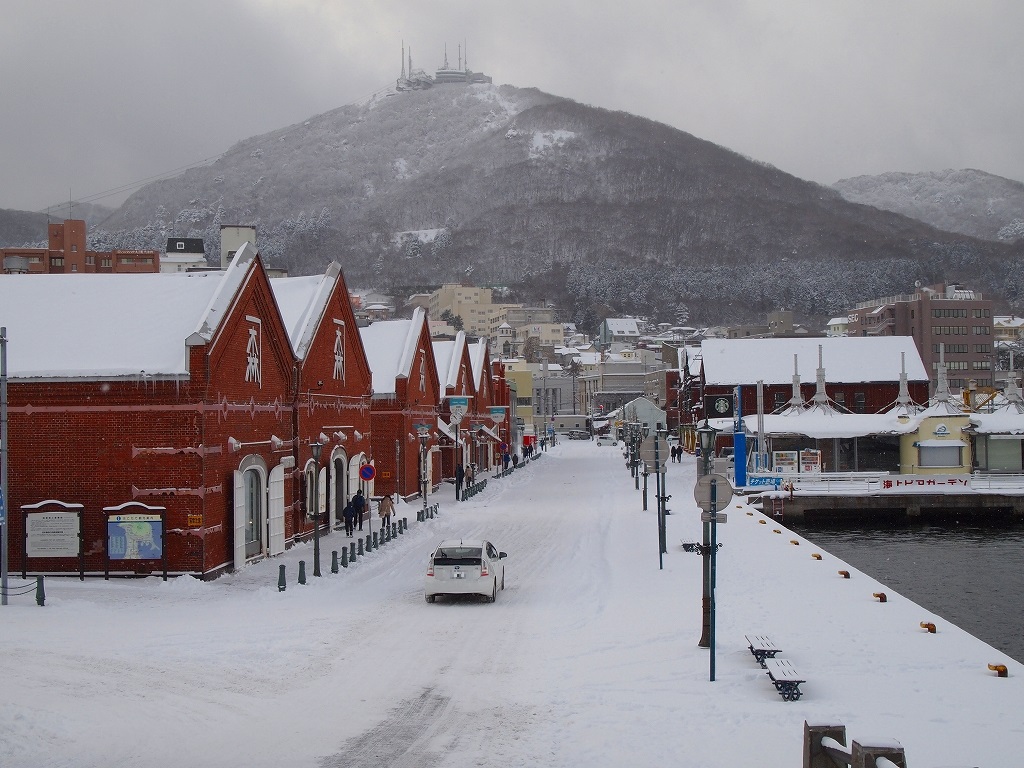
(474, 305)
(66, 252)
(955, 320)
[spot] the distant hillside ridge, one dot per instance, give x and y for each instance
(600, 212)
(970, 202)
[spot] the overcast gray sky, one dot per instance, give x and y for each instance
(103, 94)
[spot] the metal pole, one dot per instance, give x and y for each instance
(4, 497)
(705, 636)
(714, 561)
(316, 448)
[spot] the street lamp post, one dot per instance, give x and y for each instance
(316, 447)
(706, 435)
(424, 435)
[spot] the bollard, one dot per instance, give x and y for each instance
(302, 571)
(868, 755)
(352, 551)
(374, 539)
(40, 591)
(394, 530)
(815, 754)
(419, 516)
(403, 525)
(344, 558)
(281, 583)
(369, 547)
(359, 548)
(334, 561)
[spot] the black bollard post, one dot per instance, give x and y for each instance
(374, 539)
(302, 571)
(334, 561)
(359, 548)
(344, 558)
(281, 583)
(369, 543)
(40, 591)
(403, 525)
(352, 551)
(394, 530)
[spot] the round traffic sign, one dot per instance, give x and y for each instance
(702, 491)
(367, 472)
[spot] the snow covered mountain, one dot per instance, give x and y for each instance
(601, 212)
(967, 201)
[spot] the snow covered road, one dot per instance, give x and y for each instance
(588, 657)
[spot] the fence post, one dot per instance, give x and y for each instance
(865, 755)
(334, 561)
(302, 571)
(814, 754)
(40, 592)
(281, 583)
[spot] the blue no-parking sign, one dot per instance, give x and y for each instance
(367, 472)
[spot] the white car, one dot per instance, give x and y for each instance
(465, 567)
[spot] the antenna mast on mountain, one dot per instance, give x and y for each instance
(403, 59)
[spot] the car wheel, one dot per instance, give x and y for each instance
(429, 598)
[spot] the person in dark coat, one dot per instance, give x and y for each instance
(460, 476)
(349, 514)
(358, 507)
(505, 459)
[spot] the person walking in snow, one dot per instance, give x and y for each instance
(359, 506)
(349, 514)
(384, 510)
(460, 476)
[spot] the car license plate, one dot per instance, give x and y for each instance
(459, 575)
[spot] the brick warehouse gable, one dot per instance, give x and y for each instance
(401, 357)
(333, 388)
(160, 438)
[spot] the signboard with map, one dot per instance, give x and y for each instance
(135, 537)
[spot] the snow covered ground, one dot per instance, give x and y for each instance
(588, 658)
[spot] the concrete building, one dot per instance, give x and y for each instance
(950, 320)
(68, 253)
(183, 254)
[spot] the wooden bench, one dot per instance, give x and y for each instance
(785, 678)
(762, 647)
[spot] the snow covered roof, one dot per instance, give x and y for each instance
(824, 424)
(447, 357)
(845, 359)
(622, 326)
(302, 301)
(94, 326)
(477, 356)
(390, 347)
(1004, 422)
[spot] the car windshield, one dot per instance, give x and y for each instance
(458, 556)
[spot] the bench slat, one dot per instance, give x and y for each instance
(783, 669)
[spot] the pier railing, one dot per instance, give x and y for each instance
(870, 482)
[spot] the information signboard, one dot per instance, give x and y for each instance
(52, 534)
(135, 537)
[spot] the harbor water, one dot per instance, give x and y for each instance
(971, 575)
